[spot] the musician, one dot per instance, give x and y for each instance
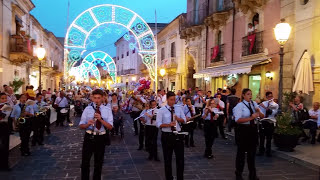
(22, 110)
(38, 122)
(210, 117)
(246, 133)
(221, 120)
(179, 98)
(151, 131)
(198, 104)
(61, 102)
(189, 112)
(270, 109)
(136, 102)
(162, 98)
(169, 119)
(95, 119)
(4, 134)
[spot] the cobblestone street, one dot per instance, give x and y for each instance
(60, 158)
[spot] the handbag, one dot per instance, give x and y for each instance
(55, 106)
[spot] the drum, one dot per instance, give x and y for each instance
(64, 111)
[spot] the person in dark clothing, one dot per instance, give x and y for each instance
(232, 101)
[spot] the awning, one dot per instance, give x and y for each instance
(235, 68)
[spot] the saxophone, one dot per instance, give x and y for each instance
(22, 120)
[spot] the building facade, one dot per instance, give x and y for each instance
(171, 56)
(218, 38)
(21, 35)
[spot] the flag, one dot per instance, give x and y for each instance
(251, 39)
(215, 52)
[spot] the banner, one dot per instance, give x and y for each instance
(251, 39)
(215, 52)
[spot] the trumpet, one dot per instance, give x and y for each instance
(21, 120)
(40, 113)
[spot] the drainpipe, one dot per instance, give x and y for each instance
(233, 25)
(207, 34)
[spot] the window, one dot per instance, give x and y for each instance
(133, 51)
(173, 49)
(220, 5)
(127, 53)
(219, 38)
(196, 11)
(122, 56)
(162, 54)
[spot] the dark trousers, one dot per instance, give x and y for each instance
(116, 125)
(151, 141)
(4, 145)
(210, 133)
(312, 126)
(47, 120)
(38, 129)
(265, 134)
(190, 129)
(10, 124)
(246, 139)
(231, 122)
(61, 117)
(141, 134)
(220, 125)
(92, 145)
(170, 143)
(24, 132)
(134, 115)
(199, 120)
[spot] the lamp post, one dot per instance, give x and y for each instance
(41, 53)
(282, 32)
(162, 73)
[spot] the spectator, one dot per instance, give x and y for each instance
(250, 29)
(256, 26)
(30, 93)
(311, 124)
(232, 101)
(218, 92)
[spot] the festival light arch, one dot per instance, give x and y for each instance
(81, 28)
(89, 64)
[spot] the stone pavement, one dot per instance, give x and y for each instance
(60, 158)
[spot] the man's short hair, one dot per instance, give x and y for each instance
(219, 89)
(38, 94)
(3, 94)
(152, 101)
(233, 91)
(224, 91)
(209, 92)
(268, 93)
(114, 94)
(170, 93)
(97, 92)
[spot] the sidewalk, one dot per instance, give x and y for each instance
(15, 138)
(305, 154)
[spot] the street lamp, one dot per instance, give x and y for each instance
(282, 32)
(134, 78)
(41, 53)
(162, 72)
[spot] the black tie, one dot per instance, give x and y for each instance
(251, 112)
(172, 112)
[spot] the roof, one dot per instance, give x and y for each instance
(182, 14)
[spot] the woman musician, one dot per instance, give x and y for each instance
(4, 133)
(190, 112)
(210, 116)
(22, 114)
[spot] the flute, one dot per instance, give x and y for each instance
(144, 114)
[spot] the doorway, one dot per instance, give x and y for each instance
(254, 85)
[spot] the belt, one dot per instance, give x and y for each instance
(96, 133)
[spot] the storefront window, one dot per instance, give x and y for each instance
(254, 85)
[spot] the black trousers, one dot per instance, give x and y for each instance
(312, 126)
(141, 134)
(24, 132)
(220, 125)
(134, 115)
(92, 145)
(246, 140)
(38, 124)
(10, 124)
(210, 133)
(61, 117)
(47, 120)
(231, 122)
(265, 135)
(151, 141)
(199, 120)
(4, 145)
(190, 129)
(170, 143)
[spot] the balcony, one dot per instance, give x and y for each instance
(219, 13)
(220, 56)
(126, 72)
(257, 46)
(21, 49)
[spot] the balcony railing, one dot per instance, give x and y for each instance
(219, 6)
(126, 72)
(21, 45)
(257, 46)
(220, 56)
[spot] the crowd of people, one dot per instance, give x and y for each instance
(175, 115)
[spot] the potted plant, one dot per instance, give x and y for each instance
(16, 84)
(23, 33)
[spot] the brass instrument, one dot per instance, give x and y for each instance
(21, 120)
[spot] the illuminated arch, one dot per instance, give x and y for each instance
(80, 29)
(90, 62)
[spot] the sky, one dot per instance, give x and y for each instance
(52, 14)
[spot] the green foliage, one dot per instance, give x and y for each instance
(288, 97)
(16, 84)
(284, 125)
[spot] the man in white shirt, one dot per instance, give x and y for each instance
(222, 119)
(199, 100)
(96, 119)
(169, 119)
(311, 123)
(162, 98)
(61, 102)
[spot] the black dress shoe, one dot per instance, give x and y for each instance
(260, 153)
(5, 169)
(210, 156)
(239, 177)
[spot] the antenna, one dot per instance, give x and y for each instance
(68, 12)
(156, 58)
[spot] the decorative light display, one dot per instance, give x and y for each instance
(78, 40)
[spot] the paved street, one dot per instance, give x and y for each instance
(60, 158)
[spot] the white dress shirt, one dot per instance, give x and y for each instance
(198, 103)
(187, 112)
(88, 114)
(179, 100)
(62, 103)
(312, 112)
(164, 117)
(208, 118)
(148, 119)
(242, 111)
(266, 104)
